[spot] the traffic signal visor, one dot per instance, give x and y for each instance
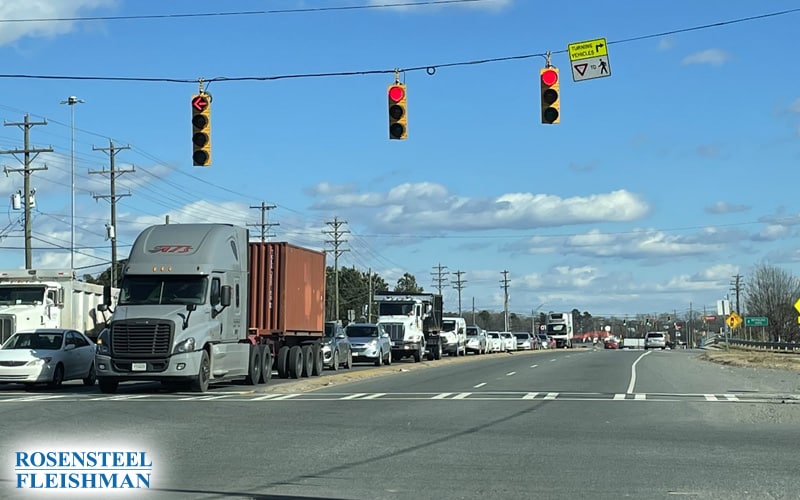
(201, 130)
(398, 128)
(551, 95)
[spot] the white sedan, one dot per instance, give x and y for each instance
(47, 355)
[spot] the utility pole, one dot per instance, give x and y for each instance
(504, 285)
(113, 173)
(459, 285)
(264, 224)
(26, 170)
(337, 241)
(369, 295)
(473, 311)
(440, 277)
(736, 287)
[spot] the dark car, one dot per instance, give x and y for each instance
(336, 349)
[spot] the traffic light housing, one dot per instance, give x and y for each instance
(201, 130)
(551, 95)
(398, 118)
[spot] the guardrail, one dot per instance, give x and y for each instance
(764, 346)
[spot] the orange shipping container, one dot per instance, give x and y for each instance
(287, 290)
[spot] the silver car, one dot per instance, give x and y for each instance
(47, 355)
(336, 350)
(370, 342)
(477, 341)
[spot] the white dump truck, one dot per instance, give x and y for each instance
(49, 298)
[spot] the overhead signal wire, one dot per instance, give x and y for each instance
(429, 68)
(303, 10)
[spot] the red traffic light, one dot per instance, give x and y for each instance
(549, 77)
(396, 93)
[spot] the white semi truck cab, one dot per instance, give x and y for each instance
(413, 322)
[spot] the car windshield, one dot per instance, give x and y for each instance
(362, 331)
(330, 330)
(34, 341)
(522, 336)
(472, 331)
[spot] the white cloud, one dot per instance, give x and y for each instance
(665, 43)
(723, 207)
(714, 57)
(430, 206)
(43, 9)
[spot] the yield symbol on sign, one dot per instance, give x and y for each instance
(200, 102)
(581, 68)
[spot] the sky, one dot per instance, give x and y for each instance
(660, 184)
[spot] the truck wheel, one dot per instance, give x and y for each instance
(283, 362)
(200, 382)
(437, 351)
(335, 361)
(266, 364)
(254, 366)
(308, 361)
(418, 355)
(295, 361)
(429, 355)
(319, 363)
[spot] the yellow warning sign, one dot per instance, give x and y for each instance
(587, 49)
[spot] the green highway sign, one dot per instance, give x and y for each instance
(756, 321)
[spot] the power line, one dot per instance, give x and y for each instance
(305, 10)
(429, 68)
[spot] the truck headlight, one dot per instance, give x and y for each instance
(185, 346)
(103, 346)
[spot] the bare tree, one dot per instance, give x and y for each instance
(772, 292)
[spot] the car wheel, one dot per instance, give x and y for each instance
(91, 377)
(379, 361)
(200, 382)
(349, 364)
(389, 358)
(335, 362)
(58, 377)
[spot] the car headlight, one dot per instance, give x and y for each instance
(185, 346)
(39, 361)
(373, 342)
(326, 348)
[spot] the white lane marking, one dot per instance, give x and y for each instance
(442, 395)
(374, 396)
(551, 395)
(510, 373)
(534, 366)
(262, 398)
(462, 395)
(354, 396)
(479, 385)
(618, 397)
(552, 360)
(640, 397)
(710, 397)
(530, 395)
(731, 397)
(286, 396)
(633, 372)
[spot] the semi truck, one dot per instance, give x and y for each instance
(49, 298)
(559, 325)
(413, 322)
(200, 303)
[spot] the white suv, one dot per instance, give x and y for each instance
(655, 340)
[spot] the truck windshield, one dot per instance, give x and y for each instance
(28, 295)
(557, 329)
(395, 308)
(137, 290)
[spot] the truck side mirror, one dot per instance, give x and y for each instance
(106, 296)
(225, 299)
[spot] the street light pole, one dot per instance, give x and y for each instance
(72, 101)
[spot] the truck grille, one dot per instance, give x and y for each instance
(7, 327)
(141, 337)
(396, 331)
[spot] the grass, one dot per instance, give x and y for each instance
(736, 356)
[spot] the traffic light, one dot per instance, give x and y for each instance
(551, 95)
(201, 130)
(398, 118)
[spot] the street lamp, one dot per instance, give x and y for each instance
(72, 101)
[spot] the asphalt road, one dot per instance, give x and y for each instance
(550, 424)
